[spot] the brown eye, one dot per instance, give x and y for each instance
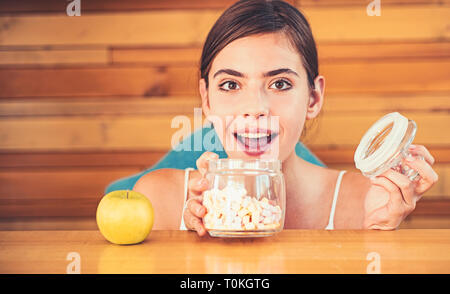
(229, 86)
(281, 85)
(232, 86)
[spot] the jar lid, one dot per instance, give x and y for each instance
(368, 162)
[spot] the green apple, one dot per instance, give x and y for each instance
(125, 217)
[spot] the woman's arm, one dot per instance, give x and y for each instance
(164, 188)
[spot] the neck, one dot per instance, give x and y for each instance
(291, 170)
(301, 179)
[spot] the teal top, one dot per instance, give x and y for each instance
(182, 159)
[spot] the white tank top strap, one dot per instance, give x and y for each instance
(186, 180)
(330, 225)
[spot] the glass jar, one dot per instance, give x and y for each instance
(385, 145)
(245, 198)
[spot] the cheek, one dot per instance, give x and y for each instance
(292, 114)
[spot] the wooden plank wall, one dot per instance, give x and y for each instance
(72, 88)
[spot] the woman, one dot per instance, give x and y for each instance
(259, 66)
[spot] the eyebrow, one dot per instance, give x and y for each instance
(267, 74)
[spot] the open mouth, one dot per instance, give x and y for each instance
(255, 142)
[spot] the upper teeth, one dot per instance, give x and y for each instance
(253, 135)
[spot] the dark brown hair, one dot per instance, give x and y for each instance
(251, 17)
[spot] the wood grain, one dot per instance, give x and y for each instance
(182, 252)
(190, 27)
(54, 57)
(40, 160)
(30, 6)
(98, 106)
(103, 81)
(112, 133)
(327, 52)
(362, 77)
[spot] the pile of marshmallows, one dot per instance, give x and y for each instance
(232, 209)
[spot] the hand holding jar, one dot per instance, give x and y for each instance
(236, 198)
(399, 172)
(195, 211)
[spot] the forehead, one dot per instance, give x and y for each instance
(258, 53)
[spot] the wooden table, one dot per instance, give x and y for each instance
(291, 251)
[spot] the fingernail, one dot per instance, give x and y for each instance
(202, 182)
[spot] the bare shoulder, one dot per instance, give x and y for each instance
(164, 188)
(165, 180)
(351, 196)
(355, 183)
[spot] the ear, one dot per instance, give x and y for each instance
(204, 95)
(316, 98)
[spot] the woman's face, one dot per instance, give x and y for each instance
(258, 97)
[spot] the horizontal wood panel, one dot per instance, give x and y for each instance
(334, 103)
(426, 222)
(90, 133)
(439, 191)
(137, 28)
(432, 208)
(145, 159)
(346, 77)
(190, 27)
(345, 24)
(141, 160)
(49, 207)
(114, 5)
(89, 223)
(328, 52)
(29, 6)
(65, 183)
(340, 130)
(104, 81)
(113, 133)
(82, 82)
(54, 57)
(412, 102)
(44, 223)
(69, 106)
(345, 155)
(157, 56)
(87, 207)
(387, 76)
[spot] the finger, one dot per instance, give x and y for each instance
(197, 186)
(395, 197)
(193, 222)
(404, 184)
(197, 225)
(422, 150)
(202, 161)
(196, 208)
(427, 175)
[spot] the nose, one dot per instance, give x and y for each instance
(256, 105)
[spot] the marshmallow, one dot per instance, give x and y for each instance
(232, 209)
